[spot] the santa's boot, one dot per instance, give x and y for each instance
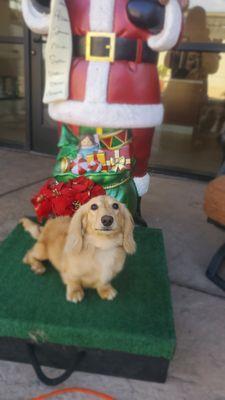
(138, 219)
(142, 186)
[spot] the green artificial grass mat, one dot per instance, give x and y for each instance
(138, 321)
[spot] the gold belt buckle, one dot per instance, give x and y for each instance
(110, 47)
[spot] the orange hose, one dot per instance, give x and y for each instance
(74, 390)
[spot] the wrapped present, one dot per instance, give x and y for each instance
(79, 166)
(94, 166)
(115, 140)
(118, 160)
(97, 158)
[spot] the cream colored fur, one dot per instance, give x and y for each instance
(85, 254)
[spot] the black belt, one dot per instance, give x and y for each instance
(99, 47)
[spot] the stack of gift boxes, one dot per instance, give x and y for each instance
(112, 154)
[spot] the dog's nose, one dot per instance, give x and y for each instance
(107, 220)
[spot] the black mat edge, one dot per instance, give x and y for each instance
(104, 362)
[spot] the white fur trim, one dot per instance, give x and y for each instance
(97, 82)
(101, 20)
(38, 22)
(142, 184)
(107, 115)
(102, 15)
(168, 37)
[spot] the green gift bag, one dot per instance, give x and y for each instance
(103, 158)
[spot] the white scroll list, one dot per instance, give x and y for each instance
(58, 54)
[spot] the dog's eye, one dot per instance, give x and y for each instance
(115, 206)
(94, 207)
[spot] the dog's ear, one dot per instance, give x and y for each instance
(74, 241)
(129, 244)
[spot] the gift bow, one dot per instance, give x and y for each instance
(118, 164)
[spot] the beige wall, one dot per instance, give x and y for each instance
(10, 18)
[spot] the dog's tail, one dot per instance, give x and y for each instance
(31, 227)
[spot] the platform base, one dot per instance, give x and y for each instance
(131, 337)
(215, 266)
(110, 363)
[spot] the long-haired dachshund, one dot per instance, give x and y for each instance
(88, 250)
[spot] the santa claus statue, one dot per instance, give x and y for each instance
(102, 80)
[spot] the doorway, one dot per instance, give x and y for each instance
(44, 129)
(192, 139)
(12, 80)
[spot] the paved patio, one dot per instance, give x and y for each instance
(175, 205)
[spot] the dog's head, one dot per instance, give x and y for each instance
(103, 219)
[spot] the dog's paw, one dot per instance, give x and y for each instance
(36, 266)
(107, 293)
(26, 259)
(75, 296)
(31, 227)
(38, 269)
(25, 222)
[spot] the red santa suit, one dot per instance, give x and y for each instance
(118, 94)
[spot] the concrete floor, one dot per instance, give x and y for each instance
(175, 205)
